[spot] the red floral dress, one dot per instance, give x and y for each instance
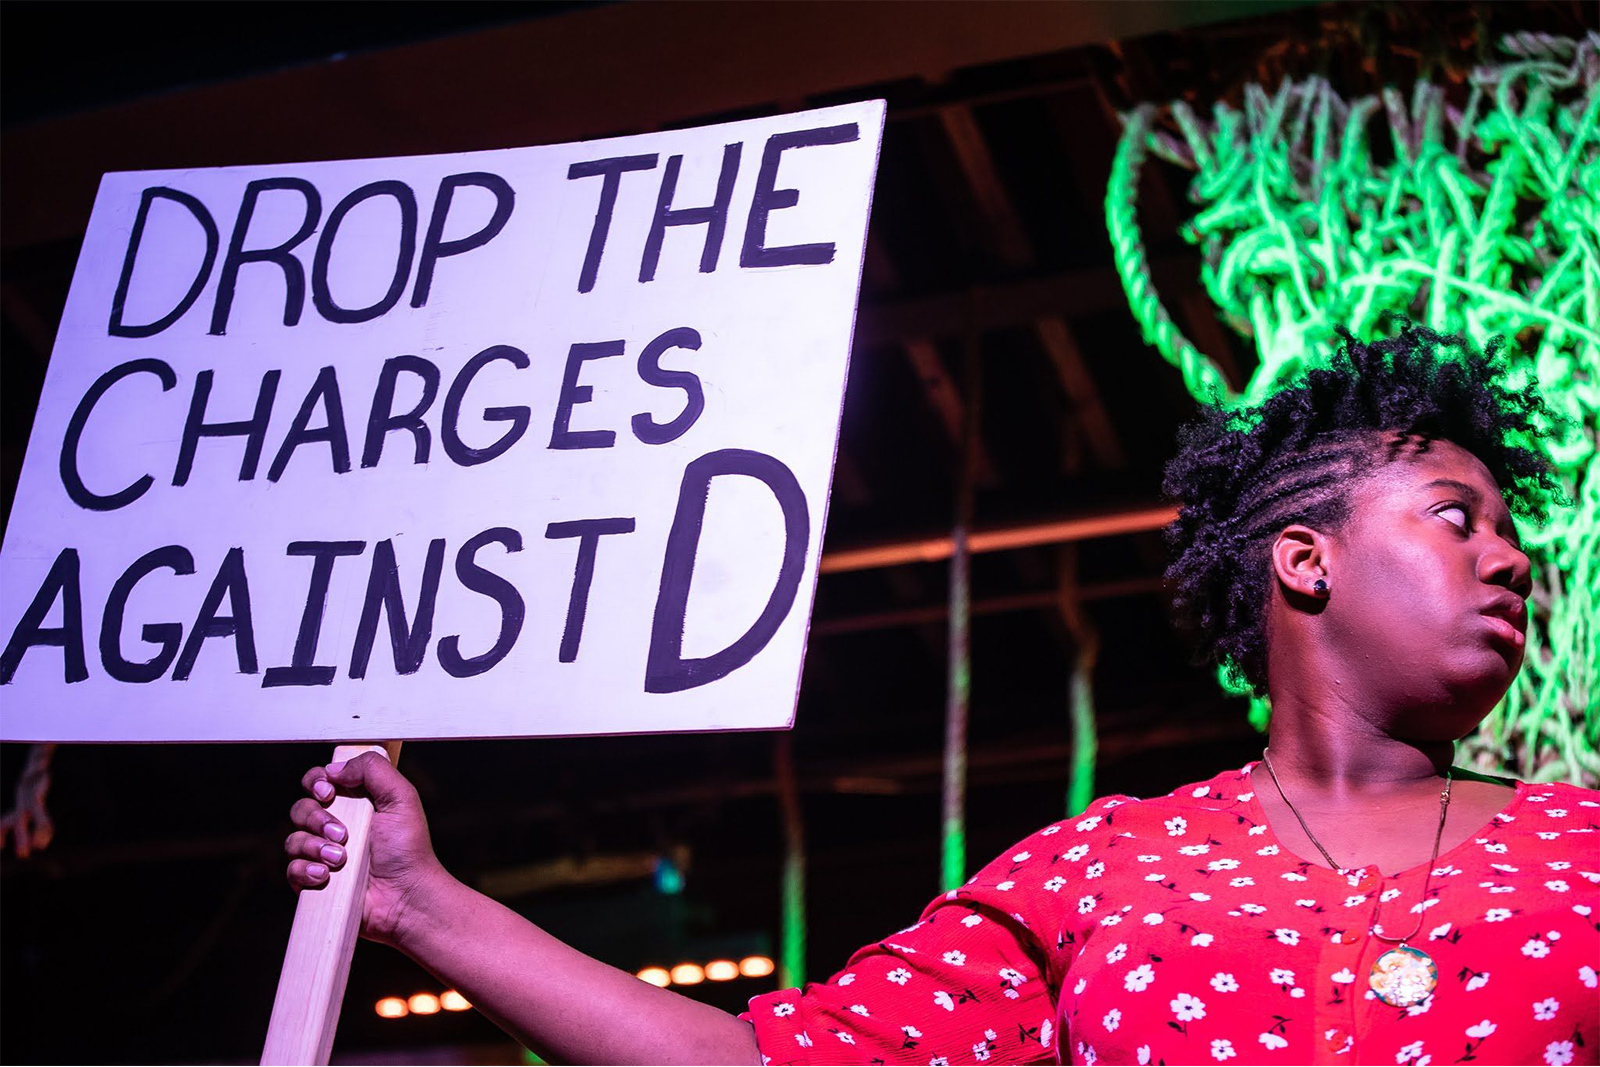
(1178, 930)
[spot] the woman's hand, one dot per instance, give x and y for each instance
(402, 865)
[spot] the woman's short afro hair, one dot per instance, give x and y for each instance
(1242, 475)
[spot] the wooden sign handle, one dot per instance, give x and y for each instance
(327, 921)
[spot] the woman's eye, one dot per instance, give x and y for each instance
(1454, 514)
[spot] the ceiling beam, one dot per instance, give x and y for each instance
(999, 538)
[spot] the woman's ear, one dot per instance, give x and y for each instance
(1300, 559)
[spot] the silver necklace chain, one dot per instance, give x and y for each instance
(1444, 807)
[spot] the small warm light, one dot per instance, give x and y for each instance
(656, 976)
(755, 966)
(688, 974)
(722, 970)
(423, 1004)
(393, 1008)
(450, 1000)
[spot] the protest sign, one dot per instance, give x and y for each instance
(510, 443)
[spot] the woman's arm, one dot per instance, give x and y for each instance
(552, 998)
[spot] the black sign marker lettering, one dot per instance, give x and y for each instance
(588, 532)
(294, 275)
(303, 668)
(167, 635)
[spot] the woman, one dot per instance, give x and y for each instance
(1346, 547)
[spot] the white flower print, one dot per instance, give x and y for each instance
(1085, 905)
(1006, 885)
(1223, 982)
(1494, 847)
(1222, 1049)
(1117, 954)
(1177, 826)
(899, 976)
(1496, 915)
(1155, 876)
(1274, 1042)
(1253, 909)
(1355, 901)
(1287, 936)
(1112, 1020)
(1421, 1007)
(1536, 949)
(939, 1061)
(944, 1000)
(1076, 853)
(782, 1009)
(1188, 1008)
(1388, 894)
(1582, 909)
(1482, 1030)
(1559, 865)
(972, 920)
(1280, 976)
(845, 1037)
(1054, 885)
(1088, 824)
(1111, 920)
(1089, 1056)
(1044, 1033)
(1293, 876)
(1048, 830)
(1556, 885)
(1136, 980)
(1194, 850)
(901, 948)
(1409, 1053)
(1297, 992)
(911, 1031)
(955, 956)
(1011, 977)
(1546, 1009)
(1201, 940)
(1445, 871)
(1343, 976)
(1558, 1053)
(1155, 918)
(803, 1039)
(1149, 859)
(1268, 850)
(1144, 1055)
(860, 1009)
(1257, 831)
(1477, 981)
(1587, 975)
(1222, 865)
(1556, 813)
(1022, 856)
(1094, 870)
(1239, 883)
(846, 979)
(1202, 897)
(1546, 835)
(1438, 931)
(980, 1051)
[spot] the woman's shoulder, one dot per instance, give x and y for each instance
(1119, 812)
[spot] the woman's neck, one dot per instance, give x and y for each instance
(1332, 747)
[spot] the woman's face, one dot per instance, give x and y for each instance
(1427, 588)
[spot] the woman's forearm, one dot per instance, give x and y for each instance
(558, 1002)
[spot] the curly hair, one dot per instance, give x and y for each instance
(1240, 476)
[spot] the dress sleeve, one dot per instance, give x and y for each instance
(969, 983)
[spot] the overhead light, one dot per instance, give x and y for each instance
(722, 970)
(450, 1000)
(392, 1008)
(688, 974)
(423, 1004)
(656, 976)
(755, 966)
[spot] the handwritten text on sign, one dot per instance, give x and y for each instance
(512, 443)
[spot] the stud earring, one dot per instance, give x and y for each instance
(1320, 587)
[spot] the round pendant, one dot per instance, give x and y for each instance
(1404, 976)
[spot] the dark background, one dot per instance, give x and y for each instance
(153, 927)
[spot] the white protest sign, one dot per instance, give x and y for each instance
(512, 443)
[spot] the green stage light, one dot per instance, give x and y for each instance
(1316, 212)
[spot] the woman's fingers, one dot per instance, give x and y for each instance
(315, 848)
(315, 781)
(304, 874)
(309, 815)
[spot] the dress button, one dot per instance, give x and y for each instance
(1348, 937)
(1338, 1040)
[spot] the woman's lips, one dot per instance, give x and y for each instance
(1505, 630)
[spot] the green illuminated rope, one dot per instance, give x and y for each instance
(1483, 221)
